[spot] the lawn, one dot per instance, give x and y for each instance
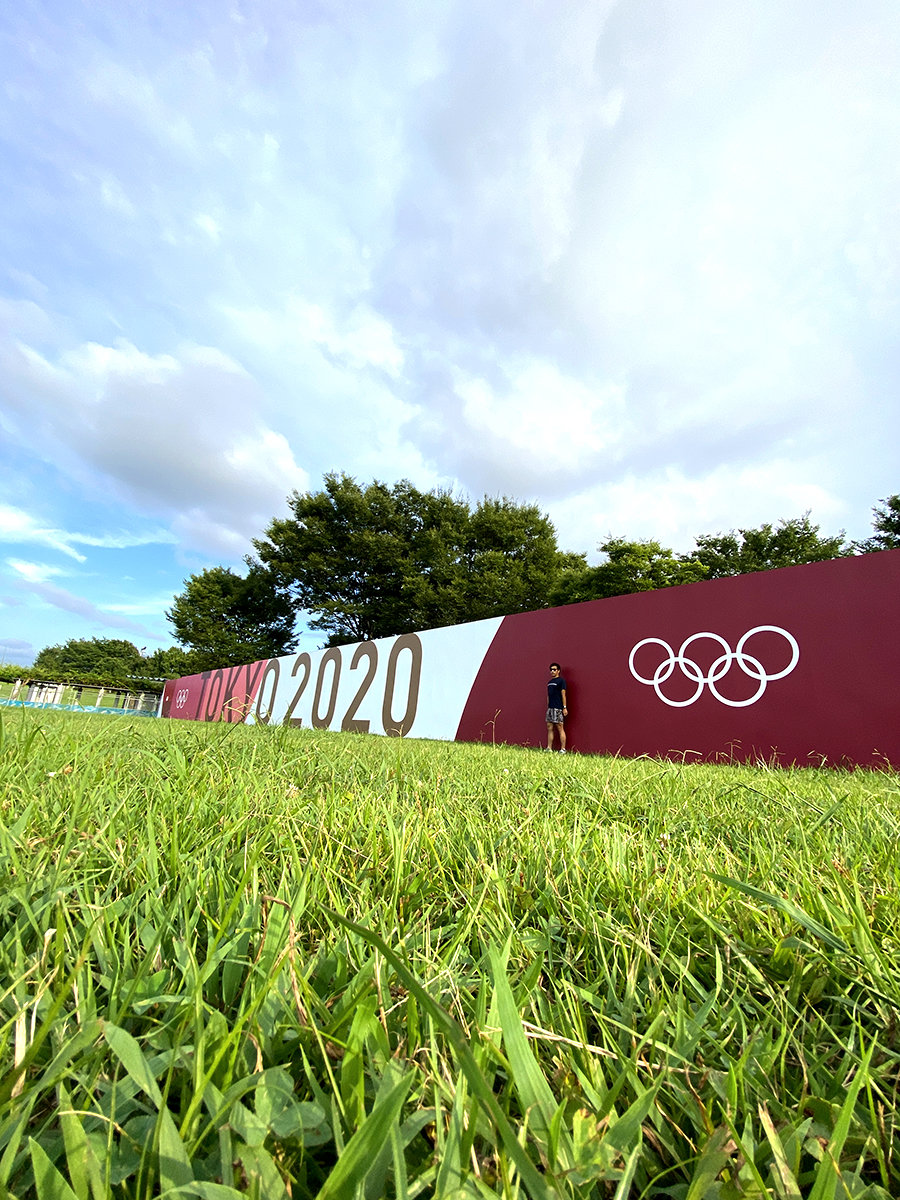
(279, 962)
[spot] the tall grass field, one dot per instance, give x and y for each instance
(286, 963)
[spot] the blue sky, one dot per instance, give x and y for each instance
(637, 261)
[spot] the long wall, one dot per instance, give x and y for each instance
(800, 665)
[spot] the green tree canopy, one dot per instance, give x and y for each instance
(10, 672)
(639, 566)
(788, 544)
(227, 619)
(82, 659)
(372, 561)
(172, 663)
(886, 524)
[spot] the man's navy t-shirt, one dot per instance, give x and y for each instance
(555, 689)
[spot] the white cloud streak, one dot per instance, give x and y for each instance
(16, 525)
(80, 606)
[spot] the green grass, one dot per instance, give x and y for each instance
(246, 960)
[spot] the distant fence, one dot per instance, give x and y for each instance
(799, 665)
(78, 698)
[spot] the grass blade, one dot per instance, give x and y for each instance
(48, 1182)
(816, 928)
(363, 1148)
(534, 1183)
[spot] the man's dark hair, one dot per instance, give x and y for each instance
(558, 667)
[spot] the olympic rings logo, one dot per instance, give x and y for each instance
(749, 664)
(181, 698)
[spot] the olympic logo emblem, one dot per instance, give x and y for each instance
(748, 663)
(181, 698)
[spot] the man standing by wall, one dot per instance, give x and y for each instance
(557, 709)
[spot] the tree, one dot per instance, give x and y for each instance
(373, 561)
(9, 672)
(639, 566)
(886, 525)
(172, 663)
(511, 560)
(227, 619)
(79, 657)
(791, 542)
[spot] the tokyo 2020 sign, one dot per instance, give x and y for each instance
(799, 665)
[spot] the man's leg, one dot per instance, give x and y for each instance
(561, 730)
(549, 735)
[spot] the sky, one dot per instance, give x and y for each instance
(636, 261)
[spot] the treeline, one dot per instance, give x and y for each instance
(358, 562)
(101, 662)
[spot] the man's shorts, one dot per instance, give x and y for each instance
(555, 716)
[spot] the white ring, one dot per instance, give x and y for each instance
(792, 641)
(762, 677)
(645, 642)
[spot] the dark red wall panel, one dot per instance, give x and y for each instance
(838, 704)
(226, 694)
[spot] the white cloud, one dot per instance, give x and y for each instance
(361, 338)
(122, 541)
(217, 539)
(33, 572)
(611, 107)
(547, 422)
(16, 650)
(150, 606)
(113, 196)
(209, 225)
(16, 525)
(672, 507)
(19, 526)
(79, 606)
(132, 91)
(171, 433)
